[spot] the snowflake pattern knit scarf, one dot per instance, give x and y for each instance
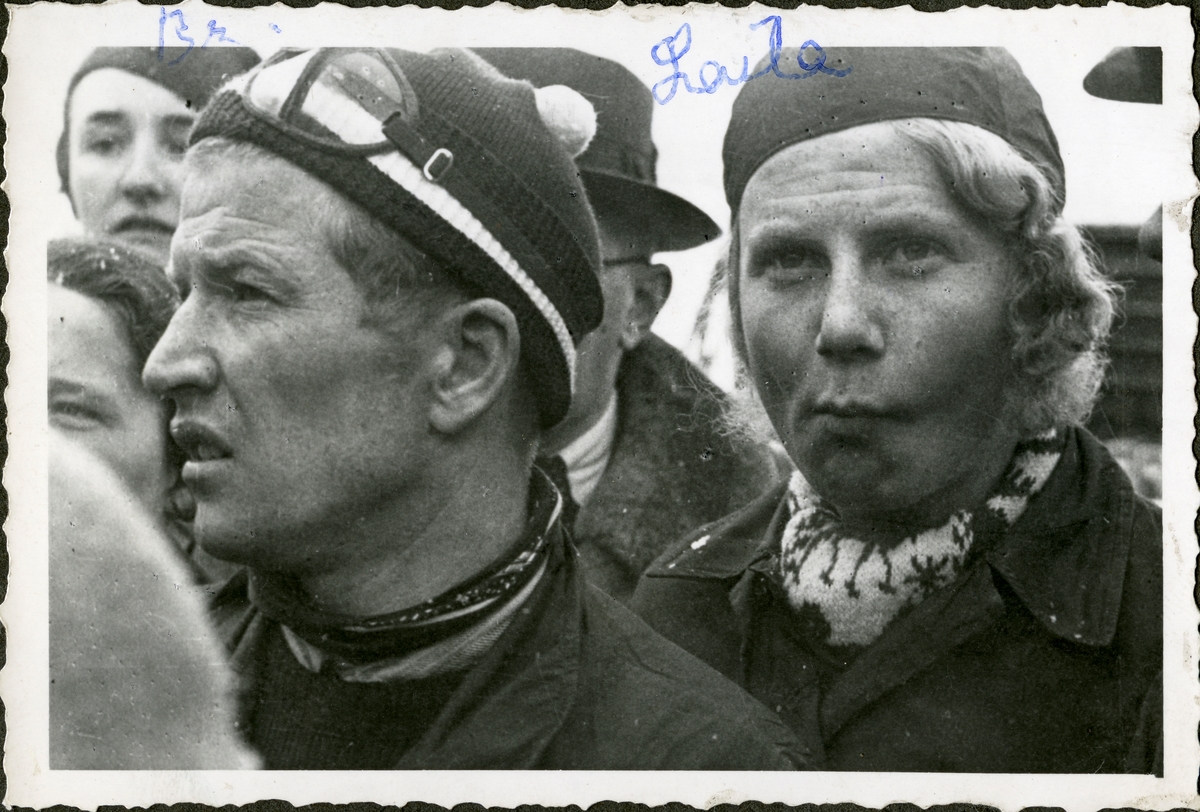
(859, 587)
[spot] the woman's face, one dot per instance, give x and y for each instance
(96, 395)
(125, 150)
(874, 314)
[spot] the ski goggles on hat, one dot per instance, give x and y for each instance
(357, 101)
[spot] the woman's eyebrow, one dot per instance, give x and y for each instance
(65, 386)
(106, 118)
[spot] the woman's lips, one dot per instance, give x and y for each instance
(850, 409)
(143, 227)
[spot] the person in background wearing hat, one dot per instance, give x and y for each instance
(645, 452)
(389, 261)
(125, 125)
(958, 577)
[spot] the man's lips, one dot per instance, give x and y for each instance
(200, 443)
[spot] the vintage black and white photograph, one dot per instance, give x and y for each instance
(672, 404)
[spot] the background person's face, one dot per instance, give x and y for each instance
(96, 395)
(126, 144)
(874, 317)
(297, 420)
(600, 351)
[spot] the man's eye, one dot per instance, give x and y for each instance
(242, 292)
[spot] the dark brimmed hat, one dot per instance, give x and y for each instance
(191, 74)
(455, 158)
(980, 86)
(1127, 75)
(618, 167)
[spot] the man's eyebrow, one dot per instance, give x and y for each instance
(222, 264)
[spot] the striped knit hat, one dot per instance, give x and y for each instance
(472, 168)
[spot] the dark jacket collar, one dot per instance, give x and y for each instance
(1065, 558)
(509, 707)
(671, 468)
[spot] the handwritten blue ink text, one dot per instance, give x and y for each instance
(713, 74)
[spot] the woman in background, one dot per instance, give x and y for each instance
(125, 126)
(108, 305)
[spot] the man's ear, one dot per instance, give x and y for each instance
(476, 363)
(651, 287)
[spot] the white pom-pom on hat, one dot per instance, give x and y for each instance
(568, 115)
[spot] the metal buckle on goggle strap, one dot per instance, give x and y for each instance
(308, 97)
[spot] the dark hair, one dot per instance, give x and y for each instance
(127, 282)
(135, 289)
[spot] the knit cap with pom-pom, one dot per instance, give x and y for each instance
(568, 115)
(460, 161)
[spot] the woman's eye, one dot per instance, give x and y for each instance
(915, 257)
(72, 414)
(102, 146)
(792, 267)
(104, 139)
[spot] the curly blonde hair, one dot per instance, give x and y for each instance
(1061, 307)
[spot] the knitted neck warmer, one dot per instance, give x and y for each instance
(857, 587)
(358, 639)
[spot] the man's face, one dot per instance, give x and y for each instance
(126, 143)
(634, 290)
(97, 398)
(299, 423)
(874, 316)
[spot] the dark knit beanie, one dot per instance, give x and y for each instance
(191, 74)
(464, 168)
(980, 86)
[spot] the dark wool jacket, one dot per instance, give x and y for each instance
(671, 469)
(577, 682)
(1045, 657)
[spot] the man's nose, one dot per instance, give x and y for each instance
(852, 327)
(181, 362)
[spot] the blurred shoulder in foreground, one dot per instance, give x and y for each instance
(137, 680)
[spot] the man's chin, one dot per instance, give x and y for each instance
(242, 548)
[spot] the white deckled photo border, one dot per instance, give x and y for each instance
(45, 44)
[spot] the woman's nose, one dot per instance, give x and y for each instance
(851, 328)
(179, 363)
(144, 179)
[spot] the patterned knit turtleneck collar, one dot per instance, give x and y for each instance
(852, 589)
